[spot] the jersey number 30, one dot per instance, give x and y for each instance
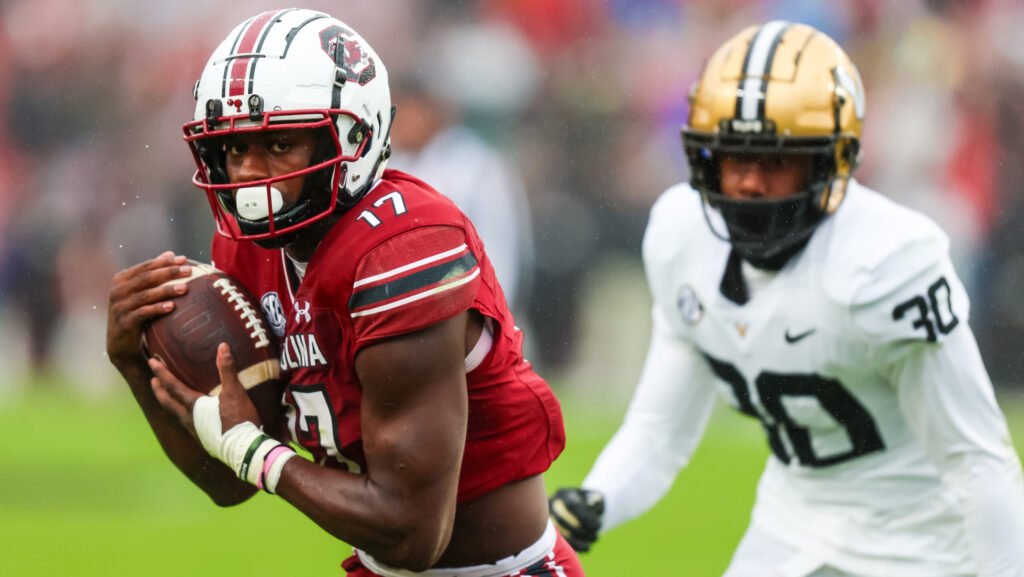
(939, 304)
(831, 396)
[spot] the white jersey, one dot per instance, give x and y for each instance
(858, 360)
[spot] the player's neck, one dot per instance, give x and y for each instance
(299, 267)
(301, 253)
(303, 248)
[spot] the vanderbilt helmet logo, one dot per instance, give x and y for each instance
(345, 48)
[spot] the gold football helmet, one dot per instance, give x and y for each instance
(777, 88)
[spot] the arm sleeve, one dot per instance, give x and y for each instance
(411, 281)
(947, 398)
(662, 428)
(915, 310)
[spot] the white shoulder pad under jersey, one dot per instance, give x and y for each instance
(678, 248)
(890, 265)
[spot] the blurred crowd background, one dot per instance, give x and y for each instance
(557, 121)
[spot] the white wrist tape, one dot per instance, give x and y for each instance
(273, 464)
(243, 447)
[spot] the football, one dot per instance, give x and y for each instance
(215, 309)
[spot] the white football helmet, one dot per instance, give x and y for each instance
(287, 69)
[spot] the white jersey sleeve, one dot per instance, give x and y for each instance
(914, 310)
(948, 401)
(675, 394)
(912, 295)
(662, 428)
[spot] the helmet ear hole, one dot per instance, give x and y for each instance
(358, 132)
(851, 153)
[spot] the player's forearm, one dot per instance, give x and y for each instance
(207, 473)
(633, 473)
(663, 426)
(404, 529)
(641, 462)
(948, 401)
(992, 495)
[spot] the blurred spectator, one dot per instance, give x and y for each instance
(430, 142)
(580, 101)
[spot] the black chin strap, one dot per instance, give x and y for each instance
(776, 261)
(734, 286)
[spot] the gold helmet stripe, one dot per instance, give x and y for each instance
(757, 64)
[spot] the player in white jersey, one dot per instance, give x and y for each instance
(830, 314)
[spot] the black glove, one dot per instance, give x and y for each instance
(577, 514)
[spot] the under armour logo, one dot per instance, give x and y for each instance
(302, 312)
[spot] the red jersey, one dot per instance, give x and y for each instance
(400, 260)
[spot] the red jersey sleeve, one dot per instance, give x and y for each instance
(411, 281)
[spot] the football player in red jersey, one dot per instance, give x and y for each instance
(404, 374)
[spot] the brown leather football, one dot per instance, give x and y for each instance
(215, 309)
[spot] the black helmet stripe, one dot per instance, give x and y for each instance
(259, 46)
(757, 64)
(291, 33)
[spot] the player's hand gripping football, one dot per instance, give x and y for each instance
(233, 403)
(137, 295)
(227, 425)
(577, 514)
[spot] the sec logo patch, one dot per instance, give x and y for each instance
(689, 305)
(271, 305)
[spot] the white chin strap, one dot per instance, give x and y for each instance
(251, 202)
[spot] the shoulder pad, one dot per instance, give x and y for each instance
(676, 244)
(871, 233)
(676, 212)
(396, 204)
(890, 265)
(415, 279)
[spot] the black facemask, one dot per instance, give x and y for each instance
(313, 200)
(766, 233)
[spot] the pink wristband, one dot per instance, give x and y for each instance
(268, 462)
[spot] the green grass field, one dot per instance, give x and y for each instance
(85, 490)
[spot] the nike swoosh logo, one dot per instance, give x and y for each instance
(799, 337)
